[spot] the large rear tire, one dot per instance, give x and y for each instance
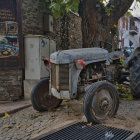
(40, 98)
(135, 76)
(101, 101)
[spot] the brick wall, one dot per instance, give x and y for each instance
(10, 84)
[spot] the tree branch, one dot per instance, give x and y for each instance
(120, 7)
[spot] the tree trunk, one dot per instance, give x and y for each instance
(96, 24)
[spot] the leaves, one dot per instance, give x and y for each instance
(18, 127)
(8, 126)
(28, 125)
(124, 92)
(89, 124)
(128, 14)
(61, 7)
(109, 10)
(6, 115)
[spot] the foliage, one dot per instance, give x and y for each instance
(124, 91)
(122, 61)
(61, 7)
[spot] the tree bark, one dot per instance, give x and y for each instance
(96, 24)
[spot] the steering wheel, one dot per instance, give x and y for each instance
(108, 48)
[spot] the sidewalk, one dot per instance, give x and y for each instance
(13, 107)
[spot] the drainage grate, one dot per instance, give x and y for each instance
(81, 131)
(137, 137)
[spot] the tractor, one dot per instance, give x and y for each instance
(88, 73)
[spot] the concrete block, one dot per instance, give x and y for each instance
(28, 86)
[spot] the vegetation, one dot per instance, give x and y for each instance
(99, 17)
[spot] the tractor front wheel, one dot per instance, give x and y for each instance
(101, 101)
(40, 98)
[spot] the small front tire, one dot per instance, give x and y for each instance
(40, 98)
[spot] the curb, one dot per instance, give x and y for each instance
(15, 110)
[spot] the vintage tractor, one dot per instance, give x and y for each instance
(87, 72)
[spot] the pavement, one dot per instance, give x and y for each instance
(27, 124)
(13, 107)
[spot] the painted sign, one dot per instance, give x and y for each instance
(11, 43)
(8, 28)
(9, 39)
(7, 15)
(8, 46)
(7, 10)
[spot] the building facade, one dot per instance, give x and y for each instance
(129, 32)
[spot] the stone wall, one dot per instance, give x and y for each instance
(10, 84)
(32, 17)
(75, 34)
(33, 23)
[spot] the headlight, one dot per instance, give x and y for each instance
(80, 64)
(46, 61)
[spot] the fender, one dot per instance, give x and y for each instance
(74, 73)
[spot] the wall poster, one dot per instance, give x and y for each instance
(9, 45)
(10, 40)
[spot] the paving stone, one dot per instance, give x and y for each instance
(29, 127)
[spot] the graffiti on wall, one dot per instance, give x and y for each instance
(8, 46)
(7, 15)
(9, 39)
(8, 10)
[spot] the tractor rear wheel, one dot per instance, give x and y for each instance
(135, 76)
(101, 101)
(40, 98)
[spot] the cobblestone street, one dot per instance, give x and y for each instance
(28, 123)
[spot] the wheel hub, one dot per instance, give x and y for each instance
(104, 105)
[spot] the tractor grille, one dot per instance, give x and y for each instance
(81, 131)
(60, 76)
(64, 77)
(53, 75)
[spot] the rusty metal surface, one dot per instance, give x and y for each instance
(44, 99)
(64, 77)
(53, 75)
(60, 77)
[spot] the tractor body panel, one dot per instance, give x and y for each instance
(64, 74)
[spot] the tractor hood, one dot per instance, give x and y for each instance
(86, 54)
